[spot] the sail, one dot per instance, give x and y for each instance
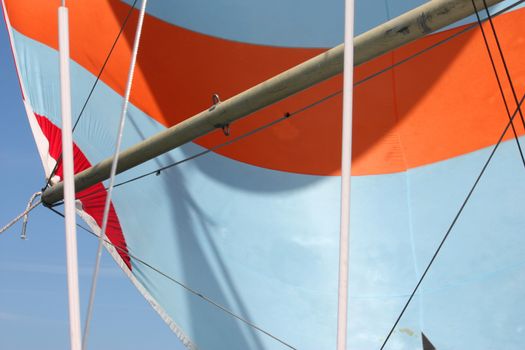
(237, 248)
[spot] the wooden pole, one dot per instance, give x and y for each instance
(399, 31)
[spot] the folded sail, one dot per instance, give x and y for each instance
(253, 226)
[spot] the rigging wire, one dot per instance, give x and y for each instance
(59, 159)
(456, 217)
(183, 285)
(214, 148)
(114, 164)
(502, 56)
(493, 64)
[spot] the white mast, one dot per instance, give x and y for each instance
(346, 165)
(69, 184)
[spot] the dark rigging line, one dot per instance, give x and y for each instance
(93, 88)
(214, 148)
(454, 221)
(186, 287)
(503, 60)
(493, 64)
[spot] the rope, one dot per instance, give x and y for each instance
(183, 285)
(59, 159)
(113, 172)
(24, 215)
(493, 64)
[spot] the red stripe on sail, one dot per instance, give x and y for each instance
(93, 198)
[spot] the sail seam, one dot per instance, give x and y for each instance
(454, 221)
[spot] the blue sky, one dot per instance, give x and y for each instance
(33, 294)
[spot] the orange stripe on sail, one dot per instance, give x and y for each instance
(442, 104)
